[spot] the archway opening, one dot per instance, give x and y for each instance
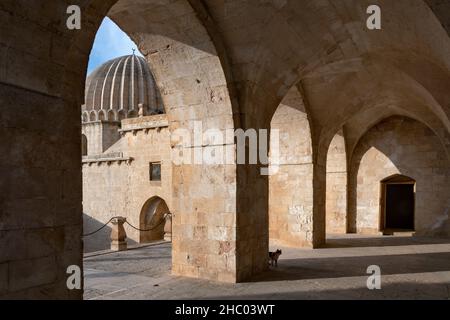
(118, 80)
(336, 190)
(399, 148)
(185, 65)
(291, 186)
(397, 204)
(155, 221)
(129, 139)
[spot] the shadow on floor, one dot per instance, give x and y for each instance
(100, 240)
(322, 268)
(382, 241)
(402, 290)
(136, 259)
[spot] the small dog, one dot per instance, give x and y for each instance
(273, 257)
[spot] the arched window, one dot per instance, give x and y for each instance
(290, 187)
(84, 148)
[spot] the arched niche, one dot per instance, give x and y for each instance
(152, 219)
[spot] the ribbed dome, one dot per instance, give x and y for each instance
(119, 88)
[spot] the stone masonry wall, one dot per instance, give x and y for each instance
(121, 188)
(401, 146)
(100, 136)
(290, 190)
(258, 51)
(336, 202)
(189, 73)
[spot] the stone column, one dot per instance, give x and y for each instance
(118, 235)
(168, 227)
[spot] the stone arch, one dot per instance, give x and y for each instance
(336, 197)
(336, 81)
(93, 116)
(288, 49)
(121, 115)
(112, 115)
(183, 58)
(377, 98)
(406, 147)
(153, 217)
(102, 116)
(290, 187)
(365, 120)
(289, 43)
(404, 90)
(85, 117)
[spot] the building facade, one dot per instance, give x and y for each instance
(127, 169)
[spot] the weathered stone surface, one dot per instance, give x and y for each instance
(290, 189)
(32, 273)
(123, 188)
(229, 64)
(407, 147)
(336, 205)
(4, 278)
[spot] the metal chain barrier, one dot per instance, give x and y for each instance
(99, 229)
(126, 221)
(153, 228)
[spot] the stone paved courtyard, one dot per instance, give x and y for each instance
(412, 268)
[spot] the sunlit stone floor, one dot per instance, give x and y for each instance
(412, 268)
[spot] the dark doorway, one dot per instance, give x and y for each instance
(397, 204)
(400, 206)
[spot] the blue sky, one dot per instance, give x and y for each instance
(110, 42)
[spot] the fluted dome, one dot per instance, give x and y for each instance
(121, 88)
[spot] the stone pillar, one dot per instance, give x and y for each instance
(319, 197)
(118, 235)
(168, 227)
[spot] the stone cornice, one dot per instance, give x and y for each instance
(116, 157)
(144, 123)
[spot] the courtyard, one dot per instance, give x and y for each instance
(116, 120)
(412, 268)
